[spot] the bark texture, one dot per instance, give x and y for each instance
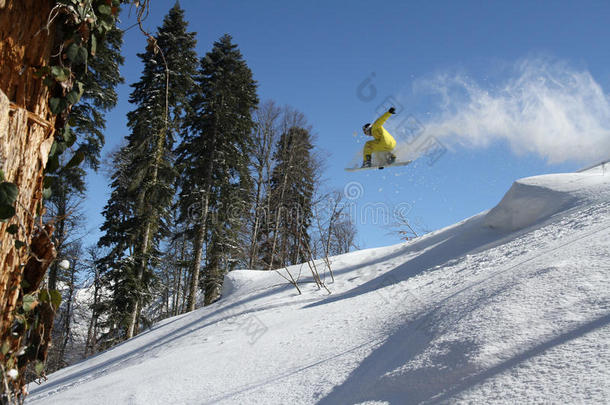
(26, 136)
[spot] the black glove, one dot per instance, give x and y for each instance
(392, 110)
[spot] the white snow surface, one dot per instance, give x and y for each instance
(509, 306)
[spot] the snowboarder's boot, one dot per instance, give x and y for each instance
(391, 158)
(367, 161)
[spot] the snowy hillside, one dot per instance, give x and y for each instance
(511, 305)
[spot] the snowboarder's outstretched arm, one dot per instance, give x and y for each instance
(381, 120)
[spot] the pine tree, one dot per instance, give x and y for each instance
(144, 184)
(86, 118)
(115, 266)
(214, 158)
(87, 121)
(291, 192)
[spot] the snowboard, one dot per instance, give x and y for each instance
(355, 169)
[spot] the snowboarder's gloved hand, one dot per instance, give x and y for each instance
(392, 110)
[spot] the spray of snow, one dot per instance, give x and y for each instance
(544, 107)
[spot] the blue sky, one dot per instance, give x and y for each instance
(509, 89)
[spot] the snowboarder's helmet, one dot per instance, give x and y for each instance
(366, 128)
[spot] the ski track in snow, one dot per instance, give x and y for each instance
(467, 314)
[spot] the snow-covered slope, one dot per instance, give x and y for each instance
(511, 306)
(536, 198)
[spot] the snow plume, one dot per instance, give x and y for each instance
(543, 107)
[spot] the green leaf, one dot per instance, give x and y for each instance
(6, 211)
(29, 302)
(8, 193)
(104, 9)
(82, 55)
(76, 159)
(105, 24)
(8, 196)
(39, 368)
(49, 181)
(53, 297)
(93, 44)
(57, 105)
(54, 105)
(69, 137)
(72, 97)
(60, 74)
(82, 13)
(13, 229)
(5, 348)
(60, 148)
(52, 164)
(44, 296)
(72, 51)
(53, 150)
(47, 193)
(81, 88)
(1, 175)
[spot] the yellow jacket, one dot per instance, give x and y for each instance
(381, 135)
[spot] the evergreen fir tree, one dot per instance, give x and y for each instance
(214, 158)
(116, 266)
(86, 117)
(87, 120)
(144, 183)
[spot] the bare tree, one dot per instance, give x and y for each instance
(266, 132)
(336, 232)
(92, 264)
(174, 269)
(405, 228)
(343, 237)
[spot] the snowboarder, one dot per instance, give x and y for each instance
(384, 142)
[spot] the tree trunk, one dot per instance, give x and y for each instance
(254, 235)
(26, 136)
(280, 205)
(213, 277)
(67, 321)
(150, 221)
(59, 240)
(92, 330)
(199, 239)
(178, 279)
